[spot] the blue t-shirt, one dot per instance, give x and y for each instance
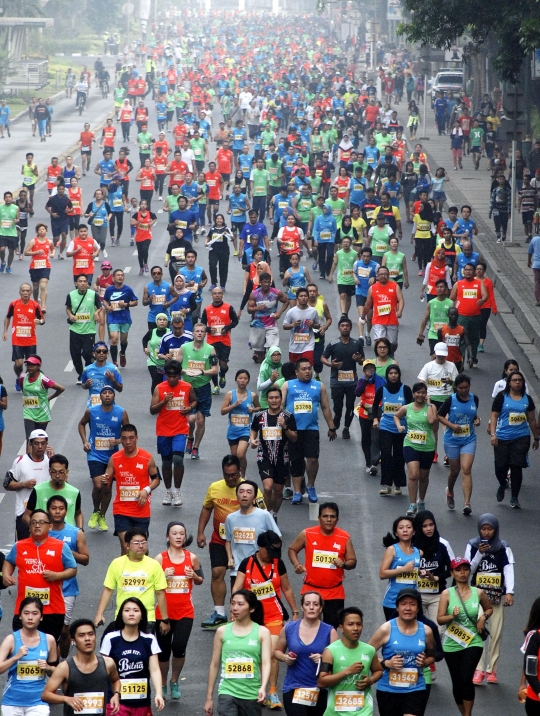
(249, 229)
(303, 673)
(185, 218)
(68, 535)
(99, 379)
(112, 294)
(534, 250)
(161, 290)
(104, 426)
(238, 208)
(303, 400)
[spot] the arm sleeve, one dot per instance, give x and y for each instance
(78, 503)
(408, 394)
(497, 404)
(531, 405)
(282, 569)
(146, 338)
(445, 407)
(32, 499)
(193, 302)
(247, 294)
(89, 208)
(532, 650)
(377, 403)
(97, 301)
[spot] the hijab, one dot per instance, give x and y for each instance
(495, 542)
(268, 365)
(393, 387)
(428, 545)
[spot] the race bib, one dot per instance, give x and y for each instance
(175, 404)
(408, 577)
(43, 593)
(31, 402)
(462, 431)
(177, 585)
(82, 317)
(180, 225)
(103, 443)
(129, 493)
(303, 406)
(363, 272)
(179, 253)
(23, 331)
(263, 591)
(216, 330)
(29, 181)
(517, 418)
(237, 212)
(460, 634)
(133, 688)
(244, 536)
(288, 245)
(347, 272)
(324, 559)
(381, 248)
(384, 309)
(305, 696)
(325, 235)
(6, 223)
(93, 702)
(96, 222)
(344, 376)
(196, 365)
(417, 437)
(391, 408)
(470, 293)
(489, 580)
(115, 305)
(434, 383)
(349, 700)
(222, 531)
(394, 273)
(240, 420)
(427, 586)
(116, 202)
(95, 399)
(134, 582)
(158, 298)
(300, 337)
(40, 263)
(436, 326)
(241, 667)
(272, 433)
(29, 671)
(403, 678)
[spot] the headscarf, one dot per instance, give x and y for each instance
(428, 545)
(346, 144)
(393, 387)
(268, 365)
(265, 268)
(435, 261)
(162, 315)
(496, 543)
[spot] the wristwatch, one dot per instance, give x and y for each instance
(383, 663)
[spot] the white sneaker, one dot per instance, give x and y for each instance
(177, 499)
(105, 254)
(167, 500)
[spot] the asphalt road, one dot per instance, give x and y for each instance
(365, 514)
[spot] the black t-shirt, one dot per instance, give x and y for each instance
(58, 205)
(177, 252)
(273, 448)
(340, 351)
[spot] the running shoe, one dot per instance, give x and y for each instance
(514, 503)
(215, 390)
(146, 268)
(222, 381)
(450, 500)
(411, 512)
(214, 621)
(164, 692)
(189, 446)
(141, 272)
(373, 470)
(122, 360)
(102, 523)
(436, 458)
(18, 386)
(175, 691)
(491, 677)
(433, 670)
(94, 519)
(105, 254)
(312, 493)
(346, 434)
(478, 677)
(500, 494)
(368, 340)
(9, 269)
(177, 499)
(195, 454)
(287, 493)
(212, 286)
(480, 349)
(385, 490)
(117, 242)
(467, 509)
(314, 266)
(273, 702)
(2, 268)
(421, 506)
(446, 461)
(297, 499)
(396, 491)
(167, 500)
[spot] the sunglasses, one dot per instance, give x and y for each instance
(101, 350)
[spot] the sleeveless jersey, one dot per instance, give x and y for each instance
(131, 475)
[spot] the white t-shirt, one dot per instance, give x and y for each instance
(188, 156)
(23, 469)
(302, 338)
(244, 99)
(433, 373)
(501, 385)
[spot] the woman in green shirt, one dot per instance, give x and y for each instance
(396, 263)
(383, 359)
(419, 444)
(242, 654)
(459, 612)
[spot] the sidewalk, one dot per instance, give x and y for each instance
(507, 262)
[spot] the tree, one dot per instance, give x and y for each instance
(514, 25)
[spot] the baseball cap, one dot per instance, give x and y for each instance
(107, 387)
(368, 361)
(441, 349)
(34, 360)
(408, 592)
(458, 561)
(38, 434)
(106, 265)
(162, 133)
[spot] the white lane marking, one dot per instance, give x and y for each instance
(135, 252)
(2, 495)
(127, 269)
(22, 449)
(69, 367)
(506, 350)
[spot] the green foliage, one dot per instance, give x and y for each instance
(513, 24)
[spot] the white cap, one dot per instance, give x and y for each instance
(441, 349)
(38, 434)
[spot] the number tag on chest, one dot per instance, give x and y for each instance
(244, 536)
(408, 577)
(93, 702)
(241, 667)
(29, 671)
(459, 634)
(403, 678)
(133, 689)
(305, 696)
(263, 591)
(349, 700)
(324, 559)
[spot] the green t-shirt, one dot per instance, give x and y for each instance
(36, 400)
(274, 172)
(303, 207)
(153, 350)
(260, 179)
(44, 490)
(172, 201)
(144, 140)
(196, 360)
(8, 215)
(266, 138)
(461, 624)
(337, 207)
(477, 135)
(345, 263)
(198, 148)
(419, 432)
(379, 240)
(136, 579)
(344, 696)
(394, 264)
(240, 664)
(315, 185)
(438, 315)
(85, 307)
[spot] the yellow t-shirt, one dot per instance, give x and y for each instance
(136, 579)
(359, 224)
(222, 500)
(423, 228)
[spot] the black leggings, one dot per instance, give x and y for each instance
(146, 195)
(176, 640)
(484, 318)
(461, 665)
(370, 442)
(340, 394)
(125, 130)
(325, 251)
(117, 218)
(156, 376)
(300, 710)
(392, 460)
(158, 184)
(143, 248)
(424, 251)
(219, 259)
(532, 708)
